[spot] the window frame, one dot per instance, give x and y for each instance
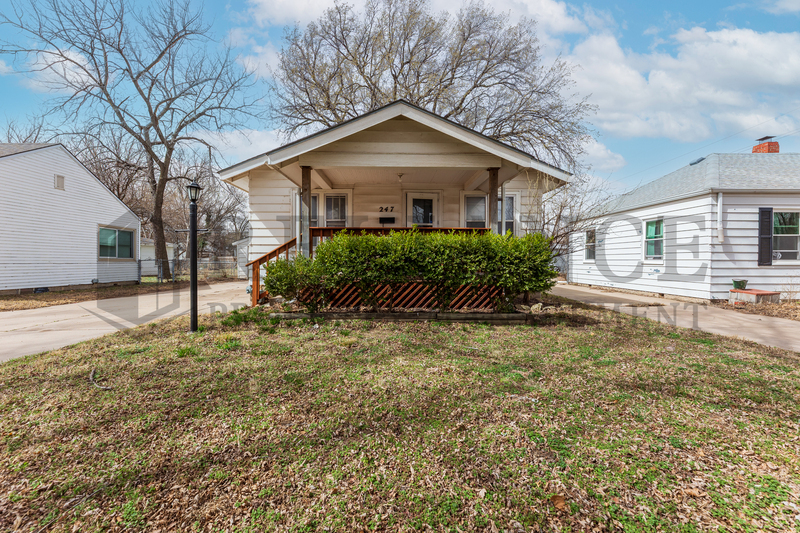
(117, 231)
(653, 260)
(515, 223)
(587, 246)
(470, 194)
(775, 212)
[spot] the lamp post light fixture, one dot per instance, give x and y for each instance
(193, 189)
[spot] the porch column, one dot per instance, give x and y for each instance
(493, 199)
(305, 212)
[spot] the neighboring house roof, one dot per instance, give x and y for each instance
(717, 173)
(382, 114)
(7, 149)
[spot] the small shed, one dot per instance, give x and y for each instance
(242, 252)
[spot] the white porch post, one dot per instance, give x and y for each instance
(493, 198)
(305, 212)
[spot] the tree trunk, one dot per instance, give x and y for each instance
(162, 257)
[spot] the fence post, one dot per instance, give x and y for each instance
(139, 271)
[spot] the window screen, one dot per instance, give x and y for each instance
(654, 239)
(475, 211)
(108, 242)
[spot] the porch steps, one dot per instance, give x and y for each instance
(752, 296)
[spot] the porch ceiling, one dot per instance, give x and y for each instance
(348, 177)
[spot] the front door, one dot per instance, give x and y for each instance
(423, 209)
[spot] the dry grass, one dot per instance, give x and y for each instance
(589, 421)
(47, 299)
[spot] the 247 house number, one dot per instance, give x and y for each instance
(389, 209)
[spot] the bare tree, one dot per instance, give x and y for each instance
(32, 131)
(119, 162)
(153, 73)
(564, 211)
(476, 69)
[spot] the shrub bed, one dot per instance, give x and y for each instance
(444, 262)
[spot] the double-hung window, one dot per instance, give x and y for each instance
(509, 215)
(785, 236)
(475, 211)
(116, 243)
(654, 240)
(336, 211)
(590, 245)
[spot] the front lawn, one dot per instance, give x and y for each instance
(590, 421)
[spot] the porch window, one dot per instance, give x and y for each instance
(785, 236)
(116, 243)
(475, 211)
(314, 211)
(509, 216)
(590, 245)
(654, 239)
(336, 211)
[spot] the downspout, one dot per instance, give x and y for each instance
(720, 229)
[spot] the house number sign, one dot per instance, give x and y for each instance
(389, 209)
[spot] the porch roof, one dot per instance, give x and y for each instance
(403, 138)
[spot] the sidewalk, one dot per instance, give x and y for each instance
(770, 331)
(37, 330)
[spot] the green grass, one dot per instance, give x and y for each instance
(255, 424)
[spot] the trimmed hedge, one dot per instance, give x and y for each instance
(443, 261)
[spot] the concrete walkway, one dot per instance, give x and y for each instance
(770, 331)
(37, 330)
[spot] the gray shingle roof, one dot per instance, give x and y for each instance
(7, 149)
(745, 172)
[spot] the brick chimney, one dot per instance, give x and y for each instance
(765, 146)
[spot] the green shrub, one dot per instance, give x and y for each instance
(377, 265)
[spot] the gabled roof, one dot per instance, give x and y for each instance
(7, 149)
(382, 114)
(718, 173)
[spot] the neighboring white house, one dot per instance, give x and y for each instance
(147, 256)
(394, 167)
(691, 232)
(59, 225)
(242, 257)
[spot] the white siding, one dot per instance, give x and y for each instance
(737, 257)
(686, 269)
(271, 214)
(49, 237)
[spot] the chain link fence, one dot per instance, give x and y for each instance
(155, 271)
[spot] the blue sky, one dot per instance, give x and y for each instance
(672, 81)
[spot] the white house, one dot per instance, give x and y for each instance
(691, 232)
(59, 225)
(147, 256)
(394, 167)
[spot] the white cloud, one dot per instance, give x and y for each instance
(601, 159)
(261, 59)
(280, 12)
(5, 68)
(715, 82)
(780, 7)
(51, 72)
(238, 145)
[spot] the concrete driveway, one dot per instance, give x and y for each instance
(770, 331)
(38, 330)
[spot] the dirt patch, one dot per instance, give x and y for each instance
(47, 299)
(788, 309)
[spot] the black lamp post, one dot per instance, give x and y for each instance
(193, 190)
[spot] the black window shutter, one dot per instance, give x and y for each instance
(764, 235)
